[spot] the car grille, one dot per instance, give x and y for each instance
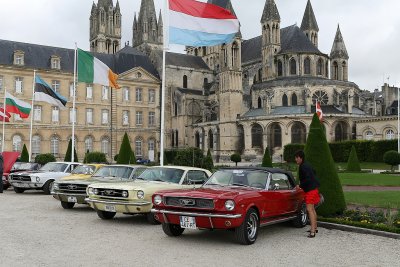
(110, 193)
(21, 178)
(190, 202)
(72, 188)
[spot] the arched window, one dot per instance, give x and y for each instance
(240, 144)
(197, 139)
(54, 145)
(196, 52)
(105, 146)
(88, 144)
(369, 135)
(294, 99)
(284, 100)
(17, 141)
(235, 55)
(204, 51)
(335, 71)
(185, 81)
(176, 138)
(257, 136)
(210, 139)
(389, 134)
(205, 83)
(307, 66)
(35, 145)
(341, 132)
(344, 69)
(298, 133)
(259, 103)
(173, 138)
(260, 75)
(280, 68)
(293, 67)
(320, 67)
(275, 135)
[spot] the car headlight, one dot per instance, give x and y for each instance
(90, 190)
(37, 179)
(157, 199)
(125, 194)
(140, 194)
(95, 191)
(229, 204)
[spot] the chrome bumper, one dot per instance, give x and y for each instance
(95, 201)
(196, 214)
(68, 194)
(26, 184)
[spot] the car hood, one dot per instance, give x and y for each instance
(44, 174)
(92, 180)
(146, 186)
(74, 177)
(212, 192)
(9, 159)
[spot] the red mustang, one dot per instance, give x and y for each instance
(242, 199)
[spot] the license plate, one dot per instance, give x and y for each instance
(188, 222)
(109, 208)
(22, 185)
(72, 199)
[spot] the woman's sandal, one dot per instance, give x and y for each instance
(311, 235)
(316, 231)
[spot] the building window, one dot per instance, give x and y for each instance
(89, 91)
(138, 148)
(89, 116)
(89, 144)
(152, 118)
(294, 99)
(55, 114)
(185, 81)
(307, 66)
(54, 145)
(19, 84)
(320, 67)
(19, 58)
(259, 103)
(72, 115)
(55, 62)
(17, 141)
(280, 68)
(369, 135)
(125, 117)
(37, 113)
(126, 94)
(138, 94)
(71, 90)
(257, 136)
(293, 67)
(104, 116)
(35, 145)
(104, 93)
(284, 100)
(152, 96)
(151, 145)
(389, 135)
(335, 73)
(105, 146)
(1, 83)
(139, 117)
(321, 97)
(56, 86)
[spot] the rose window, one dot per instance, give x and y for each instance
(321, 97)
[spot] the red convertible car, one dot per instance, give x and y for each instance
(239, 199)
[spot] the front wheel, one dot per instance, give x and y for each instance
(67, 205)
(106, 215)
(48, 186)
(172, 229)
(246, 233)
(18, 190)
(150, 218)
(301, 217)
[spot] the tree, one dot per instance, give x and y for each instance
(189, 157)
(24, 155)
(95, 157)
(44, 158)
(267, 161)
(68, 154)
(132, 159)
(319, 156)
(208, 162)
(236, 158)
(392, 158)
(125, 151)
(353, 164)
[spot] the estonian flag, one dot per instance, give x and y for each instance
(43, 92)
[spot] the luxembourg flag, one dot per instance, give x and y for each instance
(194, 23)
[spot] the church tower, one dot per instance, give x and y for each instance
(147, 32)
(105, 27)
(271, 38)
(309, 24)
(339, 59)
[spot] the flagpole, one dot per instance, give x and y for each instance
(4, 119)
(73, 107)
(32, 115)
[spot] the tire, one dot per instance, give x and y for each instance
(18, 190)
(172, 229)
(5, 187)
(67, 205)
(301, 217)
(150, 219)
(106, 215)
(246, 233)
(48, 186)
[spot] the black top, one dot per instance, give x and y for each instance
(308, 180)
(1, 163)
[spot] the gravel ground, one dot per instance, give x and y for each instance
(36, 231)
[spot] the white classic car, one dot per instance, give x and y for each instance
(42, 179)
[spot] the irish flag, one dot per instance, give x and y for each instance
(193, 23)
(14, 105)
(92, 70)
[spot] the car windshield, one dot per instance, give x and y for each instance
(114, 171)
(239, 177)
(23, 166)
(84, 169)
(170, 175)
(18, 166)
(54, 167)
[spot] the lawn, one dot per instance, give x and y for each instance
(383, 199)
(371, 179)
(366, 165)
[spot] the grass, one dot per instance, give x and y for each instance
(369, 179)
(367, 165)
(383, 199)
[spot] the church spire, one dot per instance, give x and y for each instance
(147, 29)
(339, 58)
(309, 24)
(270, 12)
(339, 48)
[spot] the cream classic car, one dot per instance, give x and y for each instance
(135, 197)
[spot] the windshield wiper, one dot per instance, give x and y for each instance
(215, 184)
(139, 178)
(159, 180)
(237, 184)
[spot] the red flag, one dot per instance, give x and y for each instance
(4, 115)
(318, 110)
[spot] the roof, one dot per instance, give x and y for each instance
(255, 113)
(270, 11)
(288, 110)
(190, 91)
(183, 60)
(328, 109)
(339, 48)
(251, 49)
(309, 22)
(293, 40)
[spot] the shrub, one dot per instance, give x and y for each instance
(208, 162)
(125, 151)
(353, 165)
(392, 158)
(132, 159)
(236, 158)
(318, 154)
(67, 157)
(44, 158)
(95, 157)
(116, 158)
(24, 155)
(267, 161)
(189, 157)
(289, 150)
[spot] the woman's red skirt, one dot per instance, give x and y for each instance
(312, 197)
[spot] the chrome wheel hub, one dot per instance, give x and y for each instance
(252, 225)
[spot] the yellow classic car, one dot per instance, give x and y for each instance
(135, 197)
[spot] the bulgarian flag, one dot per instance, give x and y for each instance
(92, 70)
(14, 105)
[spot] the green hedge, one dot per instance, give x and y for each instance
(289, 150)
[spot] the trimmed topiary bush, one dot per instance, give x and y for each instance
(125, 151)
(132, 159)
(289, 150)
(392, 158)
(44, 158)
(67, 157)
(319, 156)
(236, 158)
(95, 157)
(267, 161)
(24, 155)
(353, 165)
(208, 162)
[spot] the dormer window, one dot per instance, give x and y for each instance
(19, 57)
(55, 62)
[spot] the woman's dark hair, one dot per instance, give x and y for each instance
(300, 154)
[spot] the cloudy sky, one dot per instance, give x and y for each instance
(368, 28)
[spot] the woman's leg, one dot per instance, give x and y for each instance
(312, 215)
